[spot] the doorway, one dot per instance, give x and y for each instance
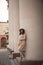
(3, 42)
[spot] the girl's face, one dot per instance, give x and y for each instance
(21, 31)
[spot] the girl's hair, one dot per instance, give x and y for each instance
(23, 31)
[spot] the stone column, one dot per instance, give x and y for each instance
(13, 24)
(31, 20)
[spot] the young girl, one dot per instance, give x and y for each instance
(22, 43)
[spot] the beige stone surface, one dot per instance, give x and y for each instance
(4, 27)
(27, 14)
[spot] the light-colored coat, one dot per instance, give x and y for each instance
(22, 42)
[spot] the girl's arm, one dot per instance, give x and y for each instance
(23, 37)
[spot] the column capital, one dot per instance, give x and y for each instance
(8, 2)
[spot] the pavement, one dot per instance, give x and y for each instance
(4, 58)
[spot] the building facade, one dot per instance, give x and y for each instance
(4, 34)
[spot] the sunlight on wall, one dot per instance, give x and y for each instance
(3, 11)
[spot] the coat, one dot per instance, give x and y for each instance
(22, 42)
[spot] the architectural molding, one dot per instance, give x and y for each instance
(7, 2)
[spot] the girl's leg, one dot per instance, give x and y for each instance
(21, 55)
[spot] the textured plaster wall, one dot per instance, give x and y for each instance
(30, 12)
(28, 15)
(13, 24)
